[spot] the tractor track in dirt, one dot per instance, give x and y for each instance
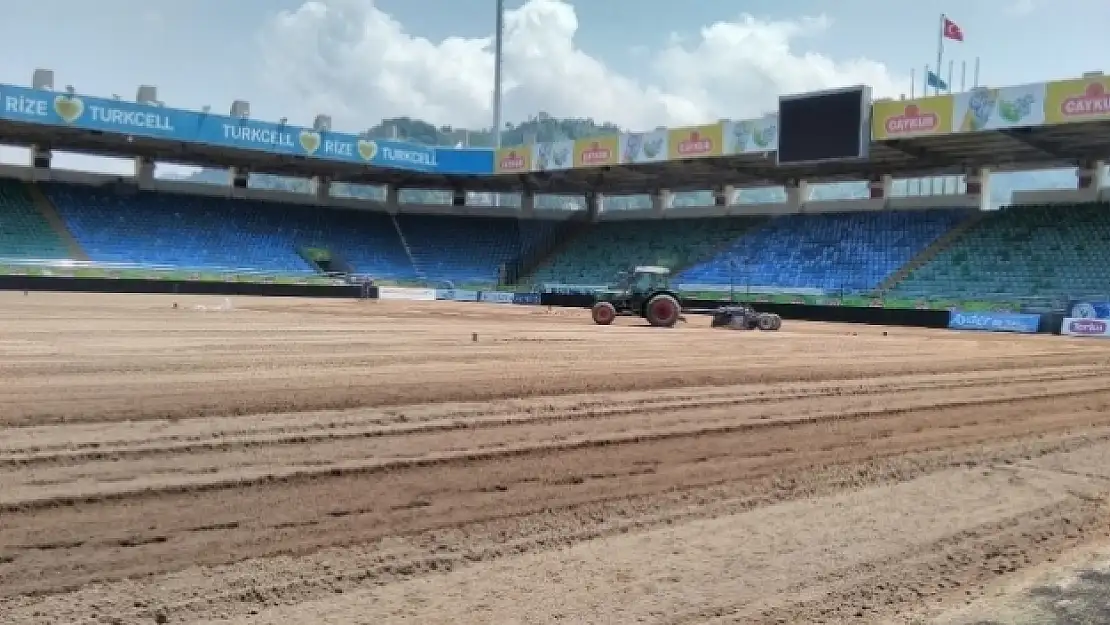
(209, 475)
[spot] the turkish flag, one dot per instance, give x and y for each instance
(952, 30)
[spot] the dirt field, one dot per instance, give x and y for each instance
(295, 461)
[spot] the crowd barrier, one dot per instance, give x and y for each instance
(1090, 319)
(994, 322)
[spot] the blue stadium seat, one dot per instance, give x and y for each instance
(468, 250)
(834, 252)
(205, 233)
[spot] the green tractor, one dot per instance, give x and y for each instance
(643, 292)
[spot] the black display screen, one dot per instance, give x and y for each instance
(822, 127)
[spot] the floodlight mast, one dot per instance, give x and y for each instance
(498, 42)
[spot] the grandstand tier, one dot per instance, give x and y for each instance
(830, 252)
(1016, 254)
(600, 252)
(1022, 253)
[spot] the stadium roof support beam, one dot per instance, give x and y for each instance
(910, 149)
(1025, 136)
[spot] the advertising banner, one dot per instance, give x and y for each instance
(695, 142)
(752, 136)
(1085, 327)
(987, 108)
(406, 294)
(496, 297)
(34, 106)
(597, 152)
(526, 299)
(1080, 100)
(553, 156)
(644, 147)
(512, 160)
(456, 295)
(994, 322)
(900, 119)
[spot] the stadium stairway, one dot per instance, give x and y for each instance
(945, 241)
(27, 230)
(46, 207)
(420, 275)
(548, 244)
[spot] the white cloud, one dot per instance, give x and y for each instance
(348, 58)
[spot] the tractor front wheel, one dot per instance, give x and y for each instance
(663, 311)
(603, 313)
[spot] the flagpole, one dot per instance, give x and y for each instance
(913, 83)
(940, 49)
(976, 80)
(963, 76)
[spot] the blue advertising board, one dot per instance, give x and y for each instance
(994, 322)
(526, 299)
(20, 104)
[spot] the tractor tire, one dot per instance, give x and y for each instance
(766, 322)
(663, 311)
(778, 323)
(603, 313)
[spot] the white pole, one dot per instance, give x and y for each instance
(498, 59)
(940, 49)
(963, 76)
(975, 81)
(913, 83)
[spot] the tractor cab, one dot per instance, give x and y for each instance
(649, 279)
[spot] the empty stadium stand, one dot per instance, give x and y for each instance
(204, 233)
(596, 256)
(1018, 253)
(831, 252)
(25, 232)
(1021, 252)
(467, 250)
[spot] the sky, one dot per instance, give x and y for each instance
(637, 63)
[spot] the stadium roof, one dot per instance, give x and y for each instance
(1064, 145)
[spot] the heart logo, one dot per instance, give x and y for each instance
(310, 141)
(69, 108)
(367, 149)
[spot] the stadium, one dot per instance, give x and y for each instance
(226, 404)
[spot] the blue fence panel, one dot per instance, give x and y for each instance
(994, 322)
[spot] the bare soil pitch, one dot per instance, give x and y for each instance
(298, 461)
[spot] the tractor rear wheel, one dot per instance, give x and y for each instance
(603, 313)
(663, 311)
(778, 322)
